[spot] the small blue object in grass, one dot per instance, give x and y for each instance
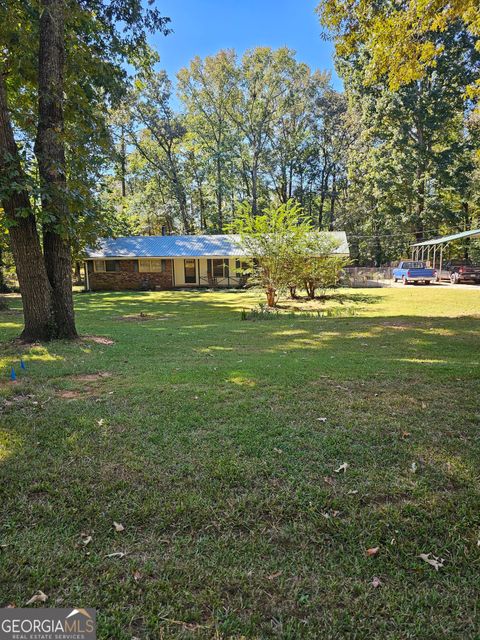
(13, 375)
(22, 365)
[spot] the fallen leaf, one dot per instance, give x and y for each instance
(86, 539)
(38, 597)
(352, 492)
(328, 480)
(343, 467)
(277, 450)
(272, 576)
(116, 554)
(322, 419)
(100, 422)
(413, 468)
(376, 582)
(137, 576)
(372, 551)
(432, 560)
(118, 526)
(405, 434)
(424, 405)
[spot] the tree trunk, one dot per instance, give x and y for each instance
(123, 165)
(219, 195)
(3, 285)
(78, 272)
(50, 152)
(333, 199)
(310, 289)
(24, 241)
(271, 296)
(255, 186)
(466, 221)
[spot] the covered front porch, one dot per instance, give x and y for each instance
(209, 272)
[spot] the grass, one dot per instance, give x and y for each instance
(204, 441)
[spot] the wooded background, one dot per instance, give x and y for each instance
(96, 140)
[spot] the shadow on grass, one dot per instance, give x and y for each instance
(206, 443)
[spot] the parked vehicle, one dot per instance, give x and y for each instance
(413, 271)
(457, 271)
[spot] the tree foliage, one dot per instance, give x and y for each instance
(401, 37)
(287, 251)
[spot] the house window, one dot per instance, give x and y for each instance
(217, 268)
(99, 266)
(111, 265)
(152, 265)
(190, 272)
(220, 268)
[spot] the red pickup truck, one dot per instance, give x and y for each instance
(457, 272)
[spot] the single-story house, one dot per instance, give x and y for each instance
(166, 262)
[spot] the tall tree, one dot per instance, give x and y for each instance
(157, 133)
(24, 239)
(409, 24)
(101, 36)
(259, 87)
(50, 152)
(206, 88)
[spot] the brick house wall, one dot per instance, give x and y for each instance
(127, 278)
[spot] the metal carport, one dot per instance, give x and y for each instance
(419, 248)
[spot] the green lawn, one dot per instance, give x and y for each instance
(205, 441)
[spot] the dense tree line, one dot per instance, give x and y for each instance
(90, 149)
(411, 73)
(386, 165)
(259, 129)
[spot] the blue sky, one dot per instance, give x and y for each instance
(203, 27)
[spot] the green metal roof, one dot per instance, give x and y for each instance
(455, 236)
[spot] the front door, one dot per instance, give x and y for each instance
(190, 272)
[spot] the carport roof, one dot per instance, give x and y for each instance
(473, 233)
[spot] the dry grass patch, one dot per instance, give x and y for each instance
(91, 377)
(98, 340)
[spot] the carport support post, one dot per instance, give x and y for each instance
(434, 252)
(441, 263)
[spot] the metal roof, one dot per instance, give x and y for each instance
(182, 246)
(455, 236)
